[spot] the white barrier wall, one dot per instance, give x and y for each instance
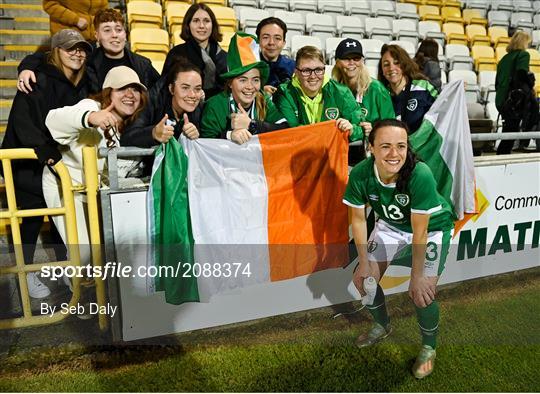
(503, 237)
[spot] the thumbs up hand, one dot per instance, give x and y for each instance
(240, 120)
(189, 129)
(104, 119)
(162, 132)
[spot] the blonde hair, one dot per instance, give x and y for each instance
(359, 84)
(54, 59)
(519, 42)
(309, 52)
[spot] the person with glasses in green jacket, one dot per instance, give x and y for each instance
(312, 97)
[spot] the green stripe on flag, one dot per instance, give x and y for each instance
(171, 236)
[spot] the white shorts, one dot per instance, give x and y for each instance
(389, 244)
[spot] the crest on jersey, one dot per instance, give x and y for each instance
(374, 197)
(402, 199)
(371, 246)
(412, 104)
(332, 113)
(364, 112)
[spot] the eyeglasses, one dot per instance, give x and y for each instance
(76, 51)
(306, 72)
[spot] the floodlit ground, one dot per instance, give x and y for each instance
(489, 341)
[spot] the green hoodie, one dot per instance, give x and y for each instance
(337, 102)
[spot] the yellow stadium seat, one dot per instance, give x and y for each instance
(153, 56)
(227, 35)
(500, 51)
(175, 14)
(218, 2)
(451, 14)
(477, 35)
(472, 16)
(429, 13)
(175, 36)
(452, 3)
(149, 40)
(484, 58)
(499, 36)
(534, 63)
(417, 2)
(436, 3)
(537, 84)
(165, 3)
(142, 13)
(455, 34)
(226, 17)
(158, 65)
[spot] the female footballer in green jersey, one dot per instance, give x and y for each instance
(414, 229)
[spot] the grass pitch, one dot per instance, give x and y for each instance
(489, 341)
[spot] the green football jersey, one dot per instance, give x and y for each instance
(366, 188)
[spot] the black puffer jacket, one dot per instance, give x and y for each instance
(26, 128)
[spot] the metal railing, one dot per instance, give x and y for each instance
(13, 214)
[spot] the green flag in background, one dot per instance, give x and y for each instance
(170, 224)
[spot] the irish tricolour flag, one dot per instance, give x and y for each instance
(265, 211)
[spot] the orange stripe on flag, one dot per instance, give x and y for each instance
(245, 50)
(306, 173)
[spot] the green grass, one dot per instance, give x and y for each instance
(489, 341)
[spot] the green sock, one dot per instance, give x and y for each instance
(428, 321)
(378, 308)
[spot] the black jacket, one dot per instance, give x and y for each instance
(96, 72)
(26, 128)
(139, 133)
(191, 52)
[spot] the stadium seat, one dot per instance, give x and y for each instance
(373, 70)
(500, 51)
(357, 7)
(430, 13)
(484, 58)
(303, 5)
(523, 6)
(481, 5)
(493, 114)
(158, 65)
(505, 5)
(296, 24)
(405, 30)
(320, 25)
(298, 42)
(149, 40)
(274, 5)
(175, 14)
(458, 57)
(226, 40)
(472, 90)
(243, 3)
(476, 34)
(451, 14)
(216, 2)
(455, 33)
(372, 51)
(383, 9)
(328, 70)
(407, 11)
(331, 45)
(536, 6)
(144, 14)
(536, 39)
(537, 84)
(486, 80)
(499, 18)
(534, 63)
(431, 29)
(407, 45)
(522, 21)
(378, 28)
(350, 26)
(336, 7)
(250, 17)
(226, 17)
(498, 36)
(474, 17)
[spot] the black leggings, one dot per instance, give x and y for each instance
(509, 126)
(30, 229)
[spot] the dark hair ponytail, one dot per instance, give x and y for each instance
(410, 161)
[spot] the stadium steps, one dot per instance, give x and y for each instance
(25, 37)
(8, 69)
(23, 10)
(8, 88)
(5, 106)
(18, 52)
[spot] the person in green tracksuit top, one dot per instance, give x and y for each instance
(311, 97)
(371, 95)
(242, 110)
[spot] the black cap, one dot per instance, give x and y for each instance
(349, 46)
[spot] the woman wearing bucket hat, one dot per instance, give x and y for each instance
(60, 82)
(99, 121)
(201, 33)
(242, 109)
(372, 96)
(311, 97)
